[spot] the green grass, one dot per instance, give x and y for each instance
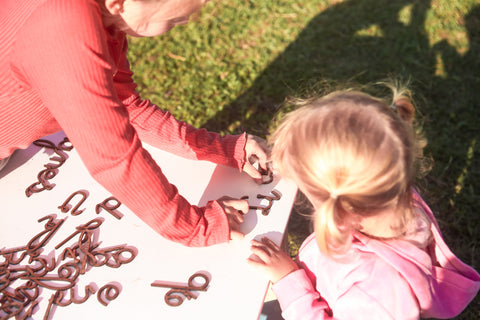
(231, 68)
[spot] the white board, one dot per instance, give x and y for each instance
(235, 290)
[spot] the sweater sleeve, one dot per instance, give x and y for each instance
(376, 298)
(64, 55)
(360, 286)
(160, 128)
(299, 299)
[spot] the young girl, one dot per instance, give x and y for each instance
(63, 66)
(376, 251)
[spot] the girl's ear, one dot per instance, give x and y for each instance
(114, 6)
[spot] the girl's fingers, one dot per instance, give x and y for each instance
(266, 245)
(270, 244)
(254, 242)
(255, 261)
(261, 251)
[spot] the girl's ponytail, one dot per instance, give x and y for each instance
(328, 227)
(403, 105)
(404, 108)
(402, 101)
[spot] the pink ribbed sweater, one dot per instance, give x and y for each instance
(61, 69)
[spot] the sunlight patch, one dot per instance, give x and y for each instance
(445, 25)
(461, 178)
(372, 31)
(405, 15)
(440, 66)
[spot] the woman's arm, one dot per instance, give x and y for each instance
(64, 54)
(162, 130)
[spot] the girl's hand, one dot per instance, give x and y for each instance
(271, 260)
(256, 150)
(234, 209)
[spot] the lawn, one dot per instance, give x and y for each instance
(232, 67)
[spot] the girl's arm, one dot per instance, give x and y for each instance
(372, 291)
(298, 298)
(294, 290)
(386, 297)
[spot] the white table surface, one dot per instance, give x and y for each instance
(235, 291)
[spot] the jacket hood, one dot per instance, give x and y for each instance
(442, 283)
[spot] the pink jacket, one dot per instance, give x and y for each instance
(389, 280)
(61, 69)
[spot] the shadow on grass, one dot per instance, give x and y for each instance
(364, 42)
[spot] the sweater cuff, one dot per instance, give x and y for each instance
(237, 143)
(292, 287)
(217, 223)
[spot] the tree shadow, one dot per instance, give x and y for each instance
(332, 49)
(366, 41)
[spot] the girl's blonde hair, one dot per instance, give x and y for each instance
(352, 155)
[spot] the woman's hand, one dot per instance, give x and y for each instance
(234, 209)
(271, 260)
(256, 151)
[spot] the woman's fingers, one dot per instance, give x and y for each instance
(236, 235)
(252, 172)
(238, 216)
(233, 206)
(256, 151)
(234, 209)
